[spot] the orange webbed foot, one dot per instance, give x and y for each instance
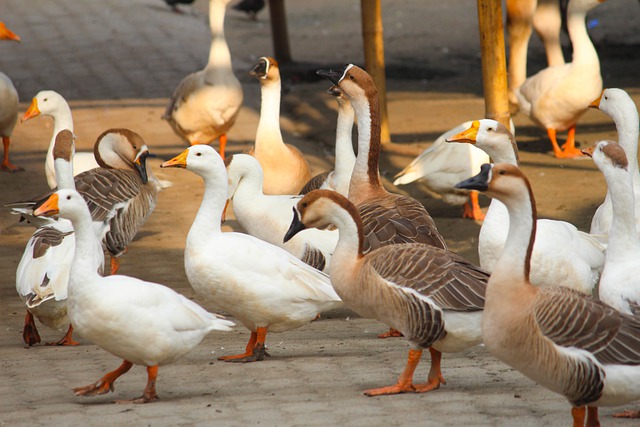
(10, 167)
(391, 333)
(95, 389)
(30, 333)
(627, 414)
(66, 340)
(393, 389)
(259, 353)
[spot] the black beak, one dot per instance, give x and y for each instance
(479, 182)
(259, 70)
(335, 91)
(141, 166)
(295, 227)
(332, 75)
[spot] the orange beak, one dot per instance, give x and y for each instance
(589, 151)
(179, 161)
(468, 136)
(49, 208)
(32, 111)
(596, 103)
(7, 34)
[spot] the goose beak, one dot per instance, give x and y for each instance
(295, 227)
(140, 163)
(335, 91)
(179, 161)
(32, 111)
(479, 182)
(334, 76)
(261, 69)
(589, 151)
(7, 34)
(469, 136)
(49, 207)
(596, 102)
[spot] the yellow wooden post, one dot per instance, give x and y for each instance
(374, 57)
(279, 31)
(494, 64)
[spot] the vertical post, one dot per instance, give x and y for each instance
(374, 57)
(494, 64)
(279, 32)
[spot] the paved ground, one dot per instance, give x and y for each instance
(117, 62)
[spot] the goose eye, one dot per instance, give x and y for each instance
(351, 77)
(134, 147)
(198, 154)
(46, 99)
(606, 97)
(305, 204)
(490, 129)
(501, 173)
(68, 197)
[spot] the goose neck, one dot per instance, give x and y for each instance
(207, 221)
(269, 124)
(345, 157)
(623, 235)
(365, 171)
(219, 55)
(84, 260)
(64, 174)
(351, 236)
(626, 120)
(583, 49)
(503, 153)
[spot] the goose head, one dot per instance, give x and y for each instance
(609, 157)
(67, 204)
(200, 159)
(239, 167)
(46, 102)
(490, 136)
(122, 149)
(64, 148)
(7, 34)
(343, 101)
(614, 102)
(266, 70)
(353, 81)
(503, 181)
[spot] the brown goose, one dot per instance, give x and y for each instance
(570, 343)
(432, 296)
(8, 106)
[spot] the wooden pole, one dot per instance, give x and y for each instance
(494, 64)
(279, 31)
(374, 57)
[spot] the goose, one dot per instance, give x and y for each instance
(43, 272)
(442, 165)
(8, 106)
(556, 97)
(432, 296)
(141, 322)
(266, 216)
(338, 179)
(51, 103)
(619, 285)
(618, 105)
(263, 286)
(285, 169)
(205, 105)
(568, 342)
(562, 254)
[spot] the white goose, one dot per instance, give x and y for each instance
(339, 178)
(432, 296)
(141, 322)
(562, 254)
(618, 105)
(266, 216)
(285, 169)
(566, 341)
(50, 103)
(8, 106)
(206, 103)
(556, 97)
(262, 285)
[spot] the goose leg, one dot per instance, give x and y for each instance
(255, 350)
(66, 340)
(30, 333)
(405, 382)
(115, 265)
(627, 414)
(579, 415)
(391, 333)
(104, 384)
(569, 147)
(6, 164)
(592, 416)
(223, 143)
(435, 377)
(149, 394)
(472, 208)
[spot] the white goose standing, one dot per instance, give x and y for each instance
(8, 106)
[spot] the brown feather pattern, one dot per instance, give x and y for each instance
(45, 238)
(315, 183)
(314, 257)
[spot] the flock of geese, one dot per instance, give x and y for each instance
(341, 239)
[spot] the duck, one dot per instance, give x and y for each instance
(43, 272)
(141, 322)
(261, 285)
(266, 216)
(556, 97)
(570, 343)
(617, 104)
(339, 178)
(285, 169)
(51, 103)
(432, 296)
(441, 166)
(8, 106)
(205, 105)
(562, 254)
(619, 285)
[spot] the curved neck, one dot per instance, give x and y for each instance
(207, 221)
(623, 235)
(84, 260)
(626, 119)
(269, 124)
(365, 171)
(583, 49)
(64, 174)
(345, 157)
(504, 153)
(351, 236)
(62, 119)
(219, 55)
(249, 186)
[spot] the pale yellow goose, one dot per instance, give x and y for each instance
(432, 296)
(565, 341)
(8, 106)
(285, 169)
(206, 103)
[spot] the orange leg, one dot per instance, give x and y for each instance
(104, 384)
(30, 333)
(6, 164)
(627, 414)
(391, 333)
(255, 350)
(569, 147)
(66, 340)
(149, 394)
(579, 416)
(115, 265)
(592, 416)
(435, 377)
(472, 208)
(405, 382)
(223, 143)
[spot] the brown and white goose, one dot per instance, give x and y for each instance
(285, 169)
(569, 343)
(432, 296)
(206, 103)
(8, 106)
